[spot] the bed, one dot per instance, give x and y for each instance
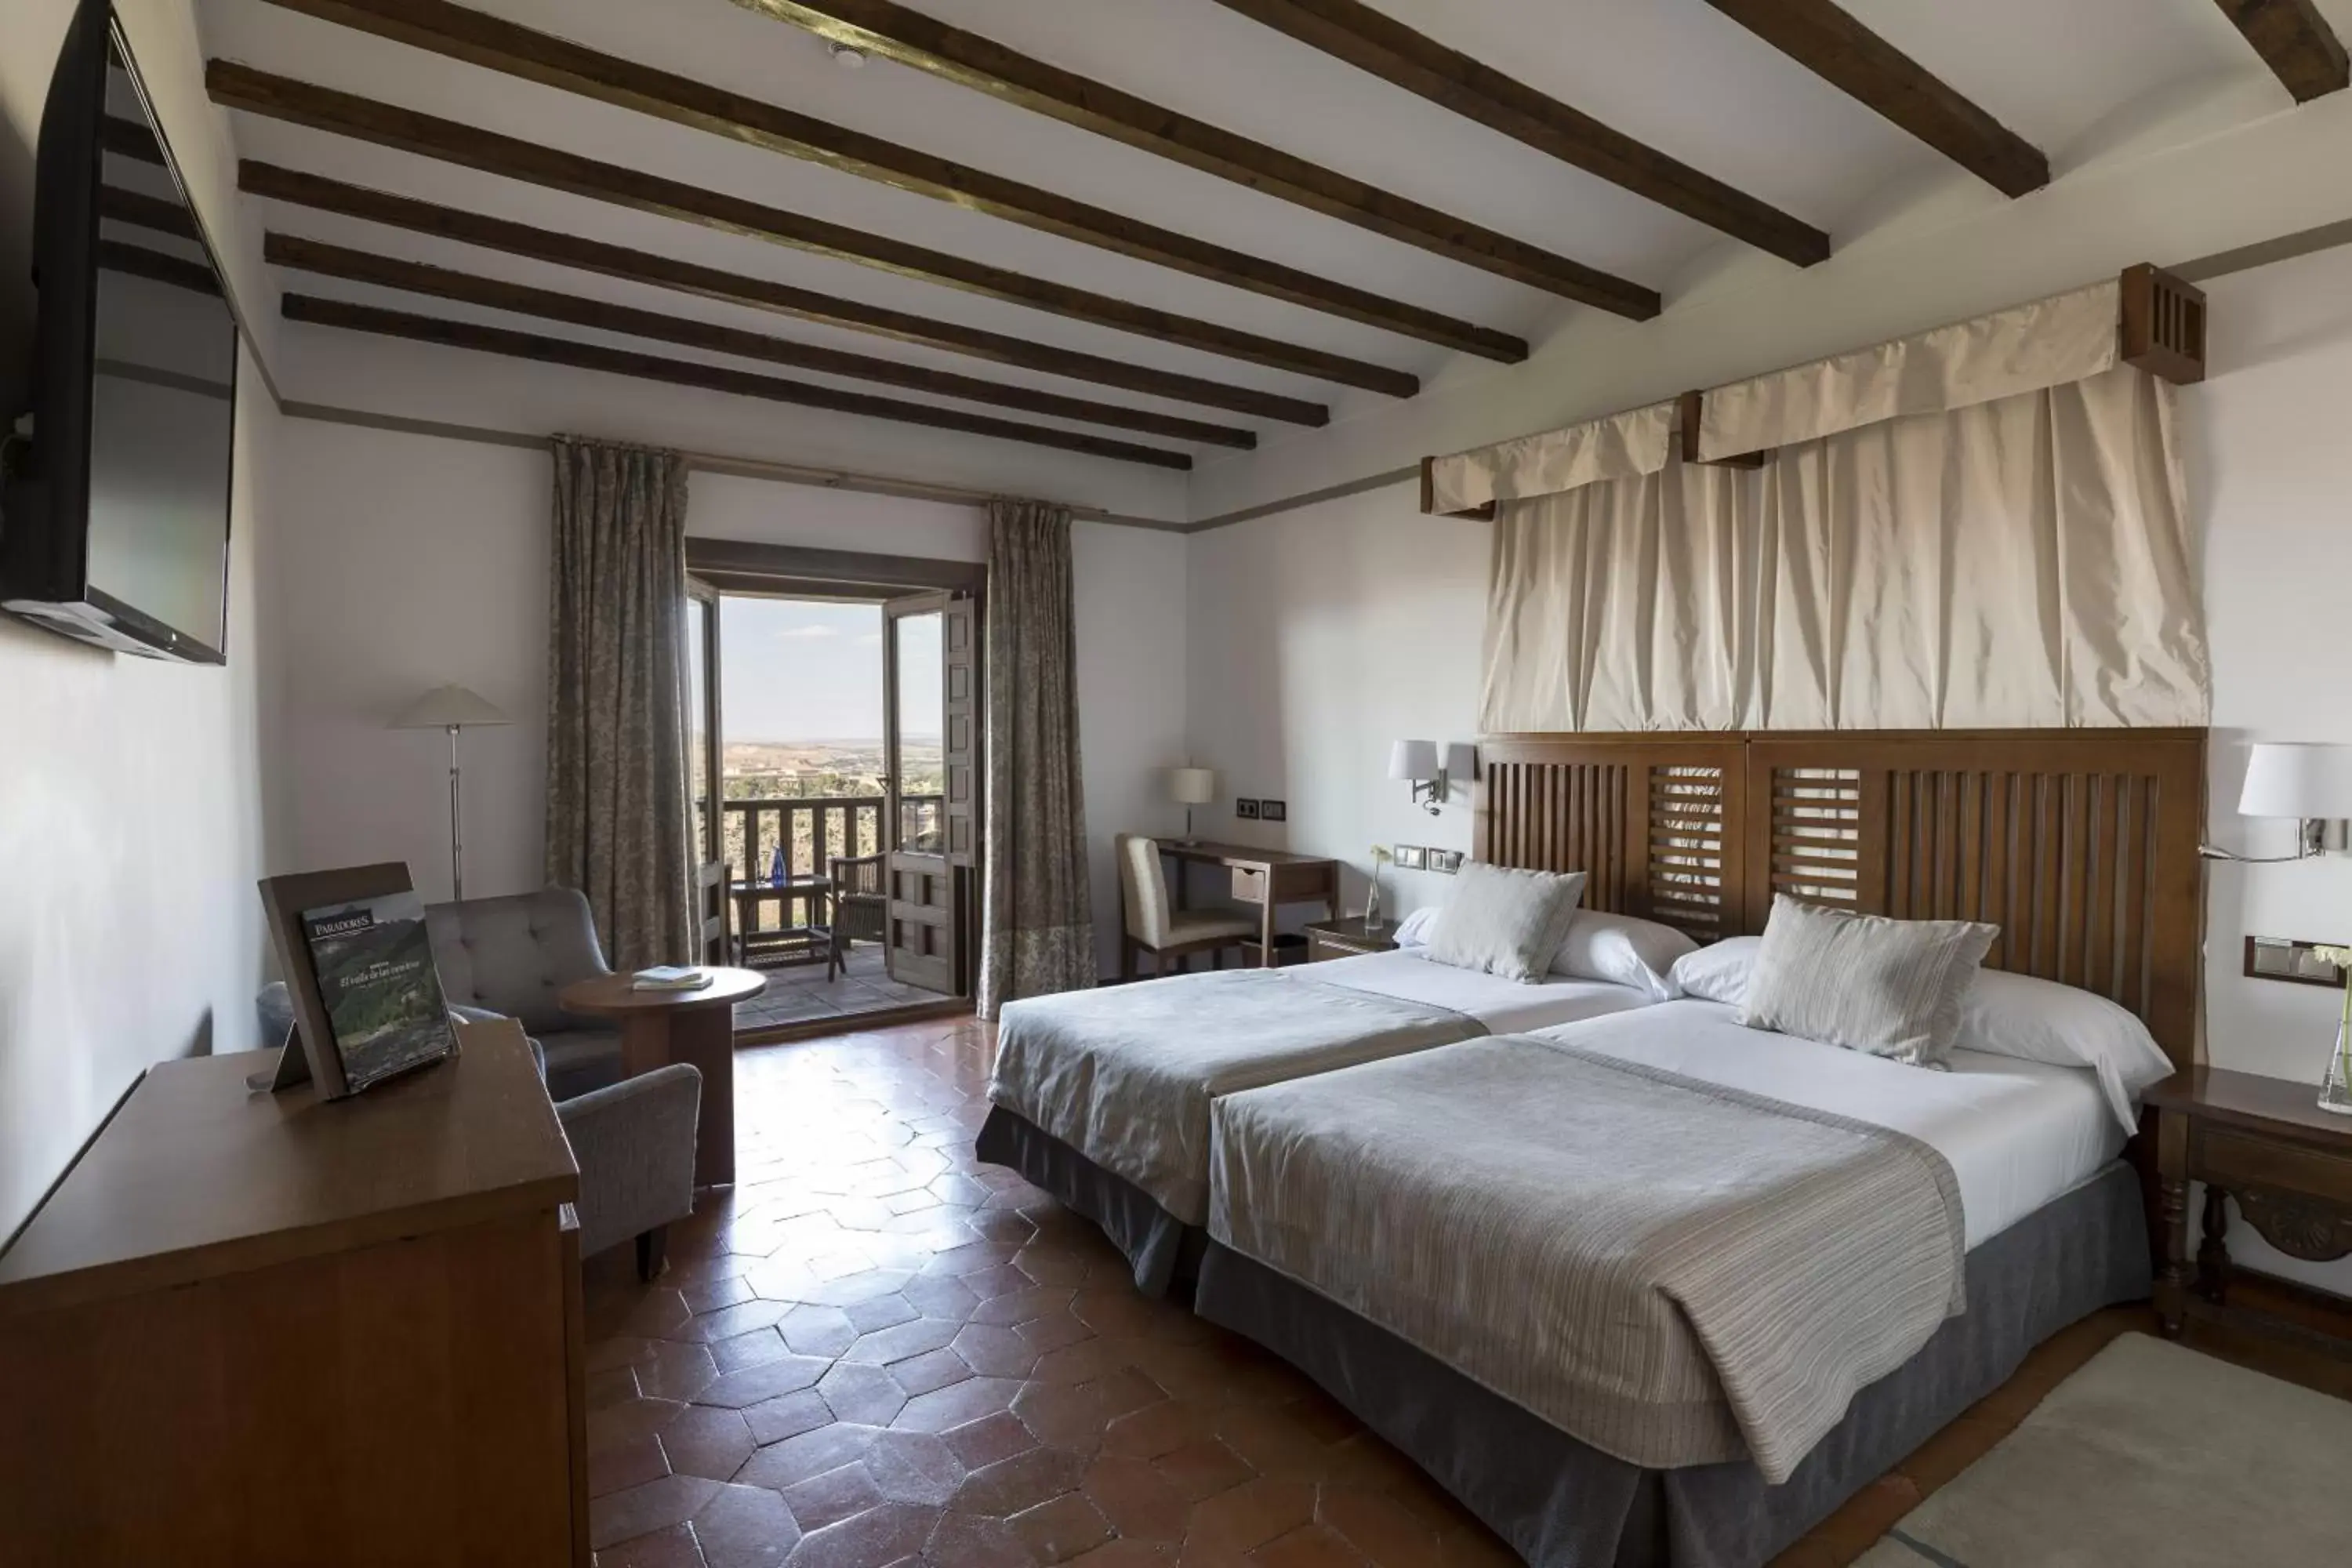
(1925, 1230)
(1102, 1098)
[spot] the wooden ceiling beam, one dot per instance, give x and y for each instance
(708, 377)
(242, 86)
(320, 194)
(1831, 44)
(1371, 41)
(321, 259)
(498, 45)
(2296, 41)
(894, 32)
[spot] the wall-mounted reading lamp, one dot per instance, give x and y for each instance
(1417, 762)
(2311, 783)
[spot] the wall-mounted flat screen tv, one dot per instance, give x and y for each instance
(114, 521)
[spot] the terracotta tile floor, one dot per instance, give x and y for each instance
(874, 1350)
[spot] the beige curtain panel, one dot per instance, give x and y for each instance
(2023, 560)
(617, 818)
(2030, 348)
(1621, 446)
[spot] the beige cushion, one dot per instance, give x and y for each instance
(1506, 921)
(1143, 890)
(1201, 925)
(1891, 988)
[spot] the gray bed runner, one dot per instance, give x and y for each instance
(1674, 1272)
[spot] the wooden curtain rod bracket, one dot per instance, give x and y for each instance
(1686, 428)
(2162, 329)
(1429, 496)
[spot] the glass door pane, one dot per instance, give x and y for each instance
(918, 764)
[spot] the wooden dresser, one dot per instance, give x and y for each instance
(265, 1329)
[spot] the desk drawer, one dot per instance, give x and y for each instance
(2228, 1159)
(1249, 887)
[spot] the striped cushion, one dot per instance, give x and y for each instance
(1892, 988)
(1504, 921)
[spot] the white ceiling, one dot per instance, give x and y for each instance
(1673, 73)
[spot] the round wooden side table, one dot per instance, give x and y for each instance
(662, 1026)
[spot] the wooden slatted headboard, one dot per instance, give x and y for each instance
(2081, 845)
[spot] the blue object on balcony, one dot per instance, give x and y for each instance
(779, 871)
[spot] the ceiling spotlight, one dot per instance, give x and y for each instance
(849, 57)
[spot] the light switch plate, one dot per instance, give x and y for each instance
(2286, 958)
(1246, 810)
(1273, 811)
(1446, 861)
(1409, 856)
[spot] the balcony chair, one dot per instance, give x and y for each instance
(861, 906)
(1153, 927)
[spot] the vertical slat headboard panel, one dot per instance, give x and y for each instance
(1652, 821)
(2081, 845)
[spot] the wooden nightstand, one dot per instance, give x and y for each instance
(1345, 937)
(2262, 1142)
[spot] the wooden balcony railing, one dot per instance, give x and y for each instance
(816, 830)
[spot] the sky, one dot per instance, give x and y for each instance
(799, 669)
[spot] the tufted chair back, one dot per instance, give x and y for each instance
(513, 955)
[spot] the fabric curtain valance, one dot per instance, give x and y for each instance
(2019, 562)
(2050, 342)
(1621, 446)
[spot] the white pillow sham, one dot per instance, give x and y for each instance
(2006, 1014)
(1622, 949)
(1414, 929)
(2065, 1026)
(1506, 922)
(1716, 973)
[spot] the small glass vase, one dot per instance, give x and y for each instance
(1372, 906)
(2336, 1088)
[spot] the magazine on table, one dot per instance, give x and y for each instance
(671, 977)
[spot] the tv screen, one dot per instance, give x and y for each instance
(117, 531)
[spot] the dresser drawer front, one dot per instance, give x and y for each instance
(2230, 1159)
(1249, 887)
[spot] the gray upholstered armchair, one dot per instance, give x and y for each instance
(511, 956)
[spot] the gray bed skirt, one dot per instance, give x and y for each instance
(1562, 1504)
(1162, 1250)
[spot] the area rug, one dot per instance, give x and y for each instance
(2151, 1455)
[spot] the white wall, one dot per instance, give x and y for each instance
(415, 559)
(131, 795)
(1318, 637)
(2271, 469)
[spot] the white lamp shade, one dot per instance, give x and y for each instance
(446, 707)
(1461, 761)
(2297, 780)
(1191, 787)
(1413, 760)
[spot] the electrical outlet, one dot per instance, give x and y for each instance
(1408, 856)
(1246, 809)
(1274, 810)
(1446, 861)
(2286, 958)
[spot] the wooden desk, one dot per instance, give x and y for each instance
(273, 1330)
(1266, 877)
(2262, 1142)
(658, 1027)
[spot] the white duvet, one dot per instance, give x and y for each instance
(2016, 1133)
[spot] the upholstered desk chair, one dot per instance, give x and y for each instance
(1164, 932)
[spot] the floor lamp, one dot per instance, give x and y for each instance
(451, 707)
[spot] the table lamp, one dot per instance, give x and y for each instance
(451, 707)
(1189, 788)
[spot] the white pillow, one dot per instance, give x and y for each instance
(1716, 973)
(1506, 922)
(1885, 987)
(2043, 1021)
(1414, 929)
(1622, 950)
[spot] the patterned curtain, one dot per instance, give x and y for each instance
(617, 785)
(1037, 931)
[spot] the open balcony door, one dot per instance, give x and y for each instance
(930, 658)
